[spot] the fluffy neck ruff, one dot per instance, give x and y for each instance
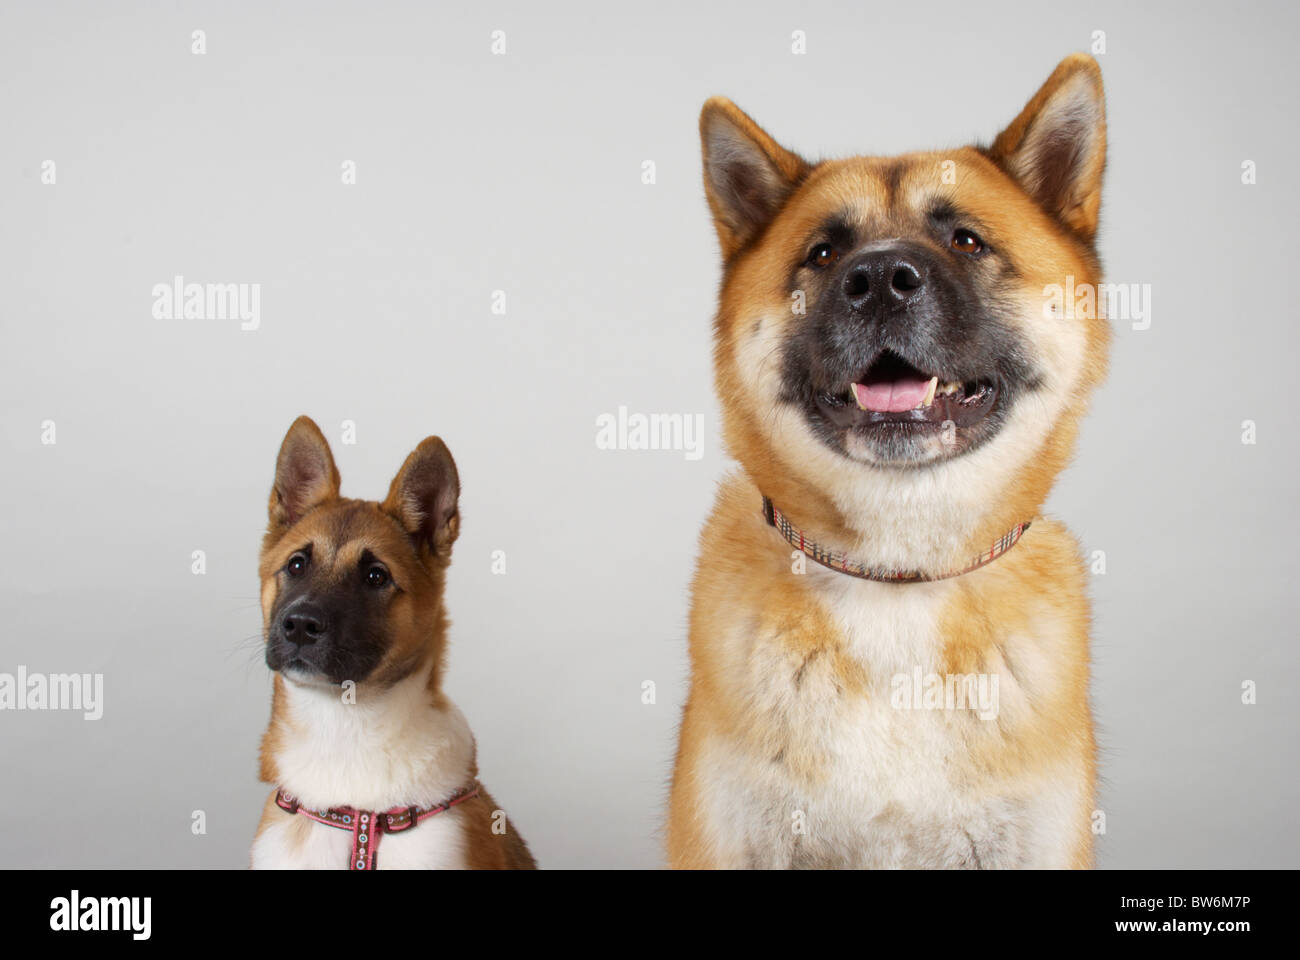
(849, 566)
(933, 519)
(399, 745)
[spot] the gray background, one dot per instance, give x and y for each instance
(479, 172)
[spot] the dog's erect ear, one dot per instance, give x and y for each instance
(305, 475)
(747, 174)
(1056, 148)
(424, 494)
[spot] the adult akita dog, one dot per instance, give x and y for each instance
(889, 665)
(363, 745)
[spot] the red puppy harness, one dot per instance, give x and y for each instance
(368, 826)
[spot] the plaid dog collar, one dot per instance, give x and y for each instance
(368, 826)
(843, 564)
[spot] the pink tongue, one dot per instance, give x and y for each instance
(892, 397)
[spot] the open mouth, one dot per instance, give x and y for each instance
(893, 391)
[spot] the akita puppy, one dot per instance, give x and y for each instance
(363, 745)
(889, 665)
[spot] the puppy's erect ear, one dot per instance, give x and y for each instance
(747, 174)
(305, 475)
(1056, 148)
(424, 494)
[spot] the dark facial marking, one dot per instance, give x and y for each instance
(331, 620)
(931, 304)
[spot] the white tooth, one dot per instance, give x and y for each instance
(929, 394)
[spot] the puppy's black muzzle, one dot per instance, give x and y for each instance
(304, 623)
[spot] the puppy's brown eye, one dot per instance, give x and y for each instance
(963, 241)
(376, 576)
(297, 564)
(822, 255)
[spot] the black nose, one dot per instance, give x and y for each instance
(304, 623)
(883, 278)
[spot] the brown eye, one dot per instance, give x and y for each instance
(297, 564)
(376, 576)
(822, 255)
(963, 241)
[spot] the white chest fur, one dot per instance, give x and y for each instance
(395, 749)
(891, 786)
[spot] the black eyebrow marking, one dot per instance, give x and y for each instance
(838, 231)
(368, 560)
(944, 211)
(943, 214)
(835, 230)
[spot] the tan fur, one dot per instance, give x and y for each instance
(776, 681)
(340, 530)
(489, 851)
